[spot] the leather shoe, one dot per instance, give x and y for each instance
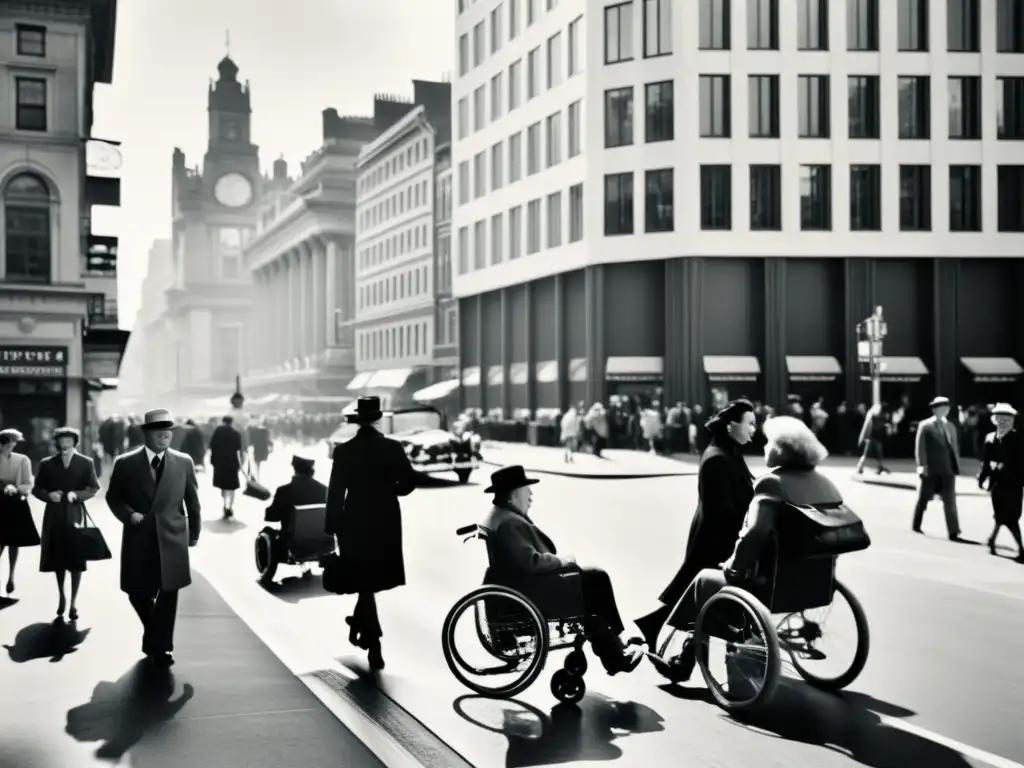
(375, 657)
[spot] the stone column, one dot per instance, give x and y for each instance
(330, 290)
(319, 292)
(775, 375)
(305, 294)
(859, 282)
(560, 351)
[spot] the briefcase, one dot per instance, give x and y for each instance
(254, 487)
(91, 544)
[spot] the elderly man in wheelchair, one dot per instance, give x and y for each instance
(783, 563)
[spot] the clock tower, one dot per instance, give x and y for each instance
(213, 218)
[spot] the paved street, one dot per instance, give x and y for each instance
(940, 688)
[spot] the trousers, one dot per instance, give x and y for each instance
(158, 611)
(945, 487)
(599, 598)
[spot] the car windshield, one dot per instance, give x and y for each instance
(414, 422)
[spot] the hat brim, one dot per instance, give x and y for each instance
(155, 425)
(364, 418)
(495, 488)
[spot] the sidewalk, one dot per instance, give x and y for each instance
(84, 698)
(614, 464)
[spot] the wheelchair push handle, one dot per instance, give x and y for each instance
(466, 530)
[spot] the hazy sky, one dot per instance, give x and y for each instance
(299, 56)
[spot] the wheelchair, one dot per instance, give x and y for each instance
(517, 623)
(300, 541)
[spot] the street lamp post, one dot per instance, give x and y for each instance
(872, 332)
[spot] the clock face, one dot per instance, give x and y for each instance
(233, 190)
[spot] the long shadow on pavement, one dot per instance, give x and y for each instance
(295, 589)
(51, 641)
(568, 734)
(222, 526)
(121, 713)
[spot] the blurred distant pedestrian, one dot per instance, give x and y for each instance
(937, 452)
(227, 460)
(570, 433)
(1002, 465)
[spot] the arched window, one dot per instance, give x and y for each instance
(28, 245)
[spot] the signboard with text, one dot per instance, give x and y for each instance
(34, 362)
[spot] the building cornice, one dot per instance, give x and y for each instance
(412, 122)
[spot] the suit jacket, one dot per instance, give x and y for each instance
(302, 489)
(154, 553)
(517, 547)
(937, 449)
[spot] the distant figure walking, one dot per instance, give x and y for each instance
(937, 451)
(1002, 465)
(17, 528)
(226, 460)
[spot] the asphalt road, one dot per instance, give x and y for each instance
(943, 685)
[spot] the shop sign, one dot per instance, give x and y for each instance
(34, 362)
(101, 365)
(649, 378)
(812, 377)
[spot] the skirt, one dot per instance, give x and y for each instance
(17, 528)
(60, 549)
(226, 478)
(1007, 505)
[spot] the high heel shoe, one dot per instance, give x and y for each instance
(61, 605)
(374, 655)
(73, 614)
(10, 586)
(353, 632)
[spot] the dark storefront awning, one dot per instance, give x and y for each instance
(471, 376)
(993, 369)
(732, 367)
(902, 369)
(634, 369)
(435, 391)
(813, 368)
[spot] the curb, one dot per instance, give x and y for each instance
(907, 486)
(596, 475)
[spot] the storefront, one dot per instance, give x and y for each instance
(36, 396)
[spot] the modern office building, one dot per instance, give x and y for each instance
(680, 197)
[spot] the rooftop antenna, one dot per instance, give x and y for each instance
(227, 42)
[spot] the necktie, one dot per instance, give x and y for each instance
(158, 468)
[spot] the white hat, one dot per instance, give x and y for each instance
(1004, 409)
(158, 419)
(938, 401)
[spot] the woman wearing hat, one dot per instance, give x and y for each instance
(17, 528)
(65, 481)
(517, 548)
(1002, 465)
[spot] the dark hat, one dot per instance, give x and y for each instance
(302, 463)
(507, 479)
(158, 419)
(367, 411)
(733, 411)
(940, 400)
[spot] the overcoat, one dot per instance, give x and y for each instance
(725, 489)
(370, 473)
(1002, 465)
(225, 447)
(59, 551)
(154, 553)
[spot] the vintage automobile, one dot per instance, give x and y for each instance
(421, 429)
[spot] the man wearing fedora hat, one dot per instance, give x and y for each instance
(937, 451)
(369, 474)
(1002, 465)
(154, 492)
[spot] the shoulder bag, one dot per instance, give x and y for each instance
(91, 544)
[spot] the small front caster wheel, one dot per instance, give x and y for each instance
(576, 663)
(567, 687)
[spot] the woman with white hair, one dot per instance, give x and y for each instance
(1002, 465)
(17, 528)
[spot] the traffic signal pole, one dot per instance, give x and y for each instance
(875, 331)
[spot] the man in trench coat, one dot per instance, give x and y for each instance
(154, 492)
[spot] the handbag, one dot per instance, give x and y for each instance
(340, 577)
(91, 544)
(254, 487)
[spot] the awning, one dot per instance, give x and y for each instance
(546, 372)
(518, 373)
(578, 369)
(471, 376)
(273, 397)
(389, 378)
(435, 391)
(732, 367)
(901, 369)
(496, 375)
(993, 369)
(634, 369)
(813, 368)
(327, 399)
(360, 381)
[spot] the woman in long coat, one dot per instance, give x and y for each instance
(1002, 465)
(65, 482)
(226, 460)
(17, 528)
(725, 488)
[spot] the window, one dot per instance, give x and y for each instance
(533, 149)
(815, 197)
(1010, 198)
(497, 238)
(1010, 26)
(574, 47)
(463, 250)
(479, 245)
(1010, 108)
(27, 239)
(575, 213)
(513, 19)
(865, 198)
(463, 182)
(965, 107)
(965, 198)
(814, 107)
(618, 33)
(478, 44)
(531, 12)
(533, 73)
(765, 198)
(515, 157)
(574, 129)
(554, 220)
(553, 139)
(496, 36)
(763, 106)
(915, 107)
(31, 104)
(714, 25)
(618, 204)
(659, 214)
(479, 175)
(659, 112)
(515, 232)
(915, 198)
(515, 85)
(762, 25)
(497, 164)
(554, 60)
(31, 40)
(479, 109)
(497, 92)
(463, 55)
(715, 112)
(716, 197)
(657, 28)
(618, 117)
(912, 25)
(963, 19)
(463, 118)
(812, 25)
(862, 25)
(864, 110)
(533, 227)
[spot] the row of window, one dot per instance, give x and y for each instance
(443, 197)
(544, 149)
(864, 121)
(508, 12)
(544, 229)
(766, 199)
(505, 98)
(415, 195)
(963, 24)
(414, 153)
(396, 342)
(397, 287)
(395, 245)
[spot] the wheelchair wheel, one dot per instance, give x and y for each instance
(512, 637)
(736, 622)
(568, 687)
(266, 556)
(817, 658)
